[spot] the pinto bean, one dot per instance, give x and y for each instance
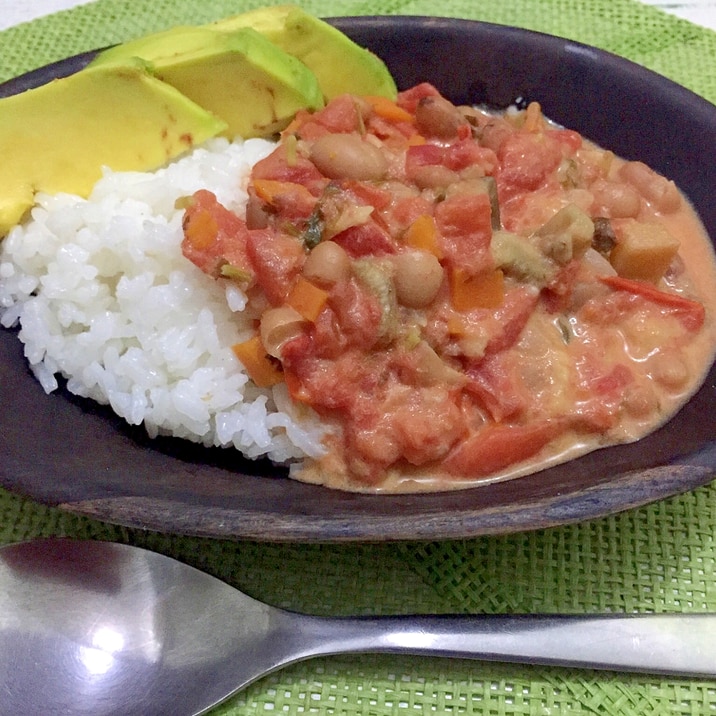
(437, 117)
(327, 264)
(495, 132)
(656, 189)
(347, 156)
(434, 176)
(615, 200)
(640, 401)
(669, 368)
(418, 277)
(279, 325)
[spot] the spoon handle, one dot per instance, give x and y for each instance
(683, 645)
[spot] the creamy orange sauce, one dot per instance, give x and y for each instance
(667, 377)
(493, 296)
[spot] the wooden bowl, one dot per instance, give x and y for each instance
(68, 452)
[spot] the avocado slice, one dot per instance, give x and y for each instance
(340, 64)
(240, 76)
(57, 137)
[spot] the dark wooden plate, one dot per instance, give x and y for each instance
(64, 451)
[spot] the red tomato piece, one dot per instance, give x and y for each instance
(467, 153)
(370, 194)
(425, 425)
(277, 260)
(214, 236)
(496, 384)
(421, 155)
(557, 293)
(297, 169)
(464, 224)
(406, 210)
(367, 239)
(570, 140)
(512, 317)
(357, 312)
(599, 388)
(527, 160)
(497, 447)
(341, 114)
(409, 99)
(691, 313)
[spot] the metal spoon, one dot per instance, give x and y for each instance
(98, 628)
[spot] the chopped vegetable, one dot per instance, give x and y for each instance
(202, 230)
(422, 234)
(643, 250)
(235, 273)
(566, 236)
(260, 367)
(520, 258)
(313, 233)
(604, 238)
(387, 109)
(485, 290)
(497, 446)
(307, 299)
(692, 312)
(271, 190)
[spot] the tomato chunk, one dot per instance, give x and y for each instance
(277, 261)
(498, 447)
(215, 236)
(464, 223)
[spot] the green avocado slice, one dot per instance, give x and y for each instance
(241, 77)
(340, 64)
(57, 137)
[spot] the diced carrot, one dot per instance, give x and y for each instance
(201, 230)
(307, 298)
(261, 369)
(499, 446)
(486, 290)
(423, 234)
(692, 313)
(387, 109)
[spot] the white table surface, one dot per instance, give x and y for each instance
(13, 12)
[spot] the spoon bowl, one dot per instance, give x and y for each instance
(103, 629)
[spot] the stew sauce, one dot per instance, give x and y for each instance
(461, 295)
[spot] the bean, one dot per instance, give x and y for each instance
(669, 369)
(327, 264)
(418, 277)
(347, 156)
(256, 215)
(437, 117)
(615, 200)
(279, 325)
(640, 401)
(655, 188)
(495, 132)
(434, 176)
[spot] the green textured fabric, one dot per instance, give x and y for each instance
(657, 558)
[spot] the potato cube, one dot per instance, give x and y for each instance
(643, 250)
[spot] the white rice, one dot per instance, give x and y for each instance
(104, 298)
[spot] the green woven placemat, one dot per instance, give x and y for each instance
(657, 558)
